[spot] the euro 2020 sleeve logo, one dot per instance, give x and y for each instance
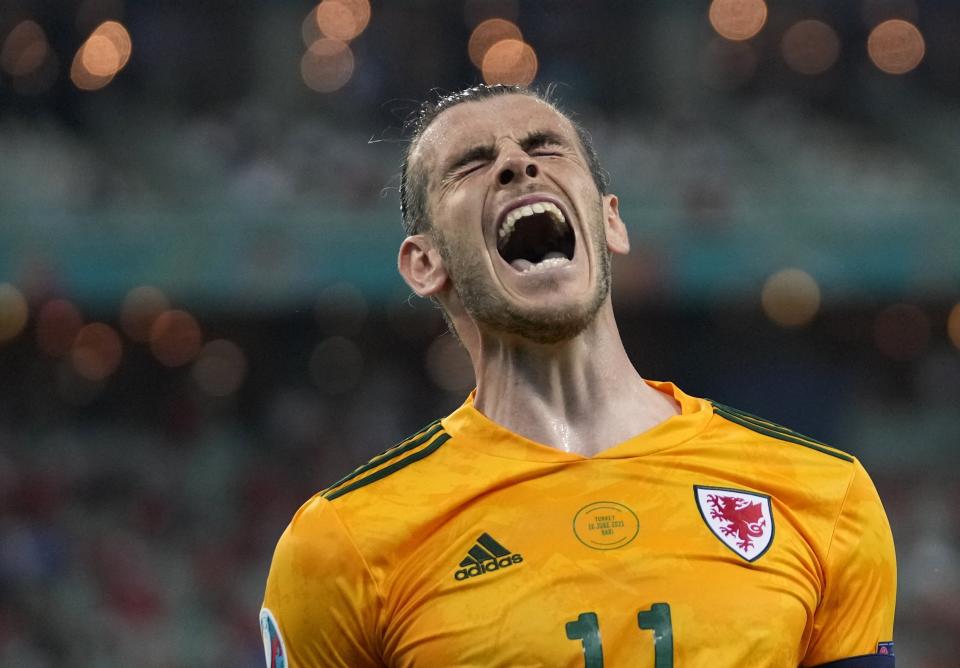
(273, 648)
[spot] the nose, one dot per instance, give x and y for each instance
(507, 174)
(516, 165)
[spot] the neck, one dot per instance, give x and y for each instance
(582, 395)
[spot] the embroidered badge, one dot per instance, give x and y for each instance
(885, 648)
(273, 648)
(743, 521)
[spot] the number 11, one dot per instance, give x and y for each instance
(586, 629)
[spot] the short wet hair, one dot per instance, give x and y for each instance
(413, 180)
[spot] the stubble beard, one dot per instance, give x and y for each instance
(492, 311)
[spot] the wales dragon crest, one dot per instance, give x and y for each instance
(743, 521)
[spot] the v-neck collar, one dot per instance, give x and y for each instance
(471, 428)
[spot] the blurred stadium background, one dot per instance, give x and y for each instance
(201, 323)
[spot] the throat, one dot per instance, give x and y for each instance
(577, 408)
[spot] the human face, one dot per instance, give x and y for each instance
(542, 276)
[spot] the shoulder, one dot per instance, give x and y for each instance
(395, 460)
(321, 602)
(315, 533)
(831, 486)
(766, 433)
(796, 470)
(313, 550)
(824, 491)
(377, 511)
(323, 531)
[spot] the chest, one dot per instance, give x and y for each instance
(617, 571)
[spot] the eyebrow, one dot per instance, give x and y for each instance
(541, 138)
(487, 152)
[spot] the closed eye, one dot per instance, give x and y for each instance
(544, 144)
(554, 151)
(471, 167)
(470, 160)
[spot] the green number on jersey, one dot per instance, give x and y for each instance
(586, 629)
(657, 619)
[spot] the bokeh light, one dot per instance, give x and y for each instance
(335, 20)
(361, 13)
(487, 34)
(327, 65)
(953, 325)
(342, 19)
(738, 19)
(58, 322)
(790, 297)
(175, 338)
(220, 368)
(448, 365)
(902, 331)
(336, 365)
(896, 46)
(101, 56)
(510, 61)
(141, 307)
(13, 312)
(83, 78)
(26, 55)
(96, 352)
(119, 37)
(309, 30)
(810, 47)
(24, 50)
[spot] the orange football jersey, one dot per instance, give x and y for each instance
(714, 540)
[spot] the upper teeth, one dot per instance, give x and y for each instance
(528, 210)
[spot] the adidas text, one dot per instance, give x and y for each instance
(488, 566)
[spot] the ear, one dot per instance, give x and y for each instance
(617, 239)
(420, 265)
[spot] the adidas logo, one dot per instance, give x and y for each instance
(485, 556)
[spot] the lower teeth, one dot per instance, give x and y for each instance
(546, 263)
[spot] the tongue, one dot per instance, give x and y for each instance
(552, 255)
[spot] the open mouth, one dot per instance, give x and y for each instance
(535, 237)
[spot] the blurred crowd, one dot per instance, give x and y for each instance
(251, 155)
(263, 196)
(137, 529)
(139, 510)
